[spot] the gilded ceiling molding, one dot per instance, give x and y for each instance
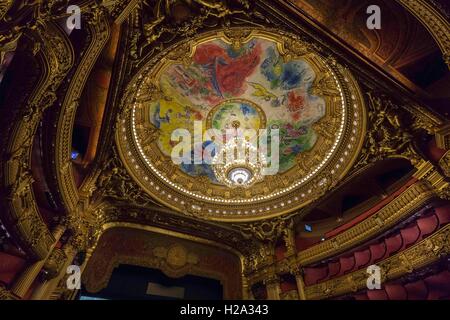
(4, 7)
(434, 21)
(444, 163)
(443, 137)
(22, 16)
(99, 29)
(389, 134)
(432, 175)
(56, 54)
(121, 10)
(423, 118)
(6, 294)
(413, 258)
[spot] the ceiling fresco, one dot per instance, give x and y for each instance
(233, 81)
(249, 87)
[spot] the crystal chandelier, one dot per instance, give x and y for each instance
(238, 164)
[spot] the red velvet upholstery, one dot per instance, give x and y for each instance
(438, 286)
(433, 287)
(393, 245)
(314, 275)
(417, 290)
(347, 264)
(377, 251)
(396, 292)
(410, 235)
(362, 257)
(443, 214)
(10, 267)
(428, 225)
(377, 295)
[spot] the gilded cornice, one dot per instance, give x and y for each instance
(99, 29)
(420, 255)
(443, 137)
(56, 55)
(434, 21)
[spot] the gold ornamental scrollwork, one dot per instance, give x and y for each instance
(98, 27)
(171, 19)
(57, 56)
(388, 133)
(444, 163)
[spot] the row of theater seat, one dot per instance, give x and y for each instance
(381, 249)
(434, 287)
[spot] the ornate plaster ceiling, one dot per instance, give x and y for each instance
(237, 79)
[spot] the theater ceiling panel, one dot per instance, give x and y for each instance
(300, 112)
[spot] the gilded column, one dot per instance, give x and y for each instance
(63, 258)
(300, 285)
(289, 239)
(273, 287)
(26, 279)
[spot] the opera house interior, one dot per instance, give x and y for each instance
(225, 150)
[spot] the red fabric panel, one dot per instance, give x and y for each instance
(443, 214)
(279, 252)
(304, 243)
(417, 290)
(410, 235)
(395, 292)
(333, 269)
(377, 294)
(10, 266)
(287, 286)
(347, 264)
(428, 225)
(393, 244)
(438, 285)
(434, 152)
(377, 251)
(362, 258)
(314, 275)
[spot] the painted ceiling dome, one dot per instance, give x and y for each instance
(294, 117)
